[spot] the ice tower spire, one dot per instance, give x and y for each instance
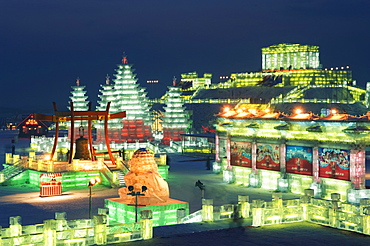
(124, 58)
(107, 80)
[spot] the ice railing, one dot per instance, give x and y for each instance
(43, 163)
(314, 100)
(60, 231)
(333, 213)
(209, 100)
(18, 165)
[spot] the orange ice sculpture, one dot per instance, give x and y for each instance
(144, 172)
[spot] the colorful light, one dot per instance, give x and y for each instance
(298, 111)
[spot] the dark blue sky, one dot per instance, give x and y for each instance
(45, 45)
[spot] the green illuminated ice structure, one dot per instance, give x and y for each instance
(176, 120)
(145, 190)
(125, 94)
(80, 103)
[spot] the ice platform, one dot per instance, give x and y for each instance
(163, 213)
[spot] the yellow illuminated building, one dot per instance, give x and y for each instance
(297, 77)
(291, 65)
(194, 81)
(290, 56)
(294, 152)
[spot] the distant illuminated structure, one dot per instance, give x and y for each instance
(292, 65)
(290, 56)
(193, 81)
(79, 97)
(294, 152)
(152, 81)
(126, 95)
(291, 74)
(175, 121)
(29, 126)
(80, 102)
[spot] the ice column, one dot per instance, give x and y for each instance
(100, 229)
(257, 212)
(207, 210)
(244, 206)
(147, 223)
(50, 234)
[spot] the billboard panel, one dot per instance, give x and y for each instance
(334, 163)
(299, 160)
(268, 156)
(241, 154)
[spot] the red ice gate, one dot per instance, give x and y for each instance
(89, 116)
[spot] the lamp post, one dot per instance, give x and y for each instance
(201, 186)
(92, 182)
(136, 194)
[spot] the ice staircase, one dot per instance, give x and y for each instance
(11, 171)
(296, 92)
(170, 149)
(108, 174)
(120, 177)
(192, 218)
(123, 169)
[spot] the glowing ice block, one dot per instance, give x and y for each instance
(163, 213)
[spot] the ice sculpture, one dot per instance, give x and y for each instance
(144, 173)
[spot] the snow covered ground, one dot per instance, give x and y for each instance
(24, 201)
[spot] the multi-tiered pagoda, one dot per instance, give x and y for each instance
(80, 103)
(176, 120)
(125, 95)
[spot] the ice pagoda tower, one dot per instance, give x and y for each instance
(175, 121)
(106, 94)
(80, 103)
(125, 95)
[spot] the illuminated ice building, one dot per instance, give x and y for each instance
(176, 119)
(126, 95)
(294, 152)
(80, 103)
(291, 74)
(323, 148)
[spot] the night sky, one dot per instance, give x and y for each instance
(46, 45)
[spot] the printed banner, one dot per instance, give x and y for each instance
(268, 157)
(334, 163)
(299, 160)
(241, 154)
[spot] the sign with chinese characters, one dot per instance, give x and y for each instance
(268, 156)
(334, 163)
(299, 160)
(241, 154)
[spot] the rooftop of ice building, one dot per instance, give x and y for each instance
(266, 93)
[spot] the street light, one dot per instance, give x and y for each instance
(201, 186)
(136, 194)
(92, 182)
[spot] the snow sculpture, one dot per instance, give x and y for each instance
(144, 173)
